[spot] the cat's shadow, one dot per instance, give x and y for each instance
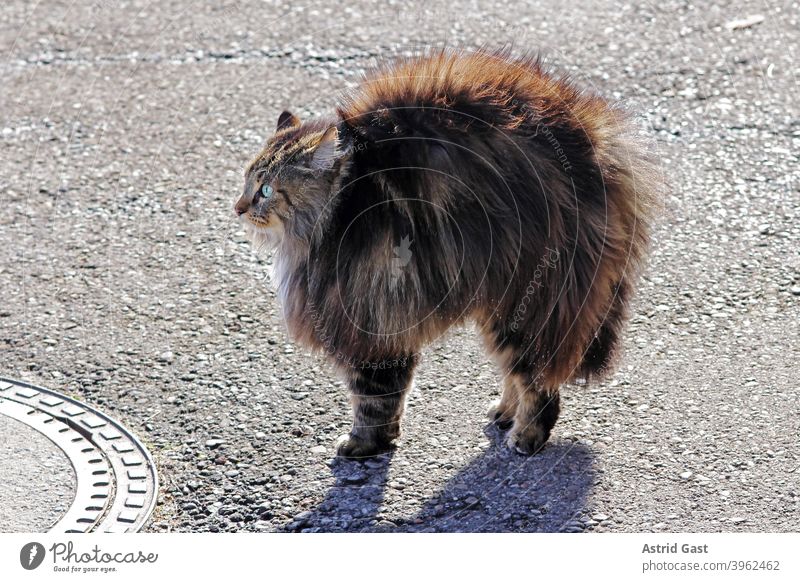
(498, 491)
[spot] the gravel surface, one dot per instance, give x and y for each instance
(124, 130)
(38, 479)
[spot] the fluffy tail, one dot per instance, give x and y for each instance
(638, 187)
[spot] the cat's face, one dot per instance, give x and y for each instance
(289, 179)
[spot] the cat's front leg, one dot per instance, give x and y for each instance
(378, 395)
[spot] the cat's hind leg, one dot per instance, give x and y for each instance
(536, 414)
(378, 395)
(503, 410)
(530, 401)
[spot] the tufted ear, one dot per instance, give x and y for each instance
(326, 150)
(286, 120)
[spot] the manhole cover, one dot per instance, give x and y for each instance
(113, 482)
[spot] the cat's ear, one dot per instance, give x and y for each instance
(286, 120)
(326, 150)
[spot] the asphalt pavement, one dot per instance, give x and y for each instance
(38, 480)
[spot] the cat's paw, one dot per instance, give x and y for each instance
(501, 416)
(353, 447)
(527, 441)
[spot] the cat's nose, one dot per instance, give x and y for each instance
(240, 207)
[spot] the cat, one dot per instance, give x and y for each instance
(456, 186)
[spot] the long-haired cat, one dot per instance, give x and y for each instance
(449, 187)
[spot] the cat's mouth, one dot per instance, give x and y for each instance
(257, 222)
(263, 234)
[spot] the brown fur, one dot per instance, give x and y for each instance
(456, 186)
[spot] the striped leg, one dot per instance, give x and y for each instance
(503, 410)
(378, 395)
(530, 402)
(537, 412)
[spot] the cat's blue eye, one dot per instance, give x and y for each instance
(266, 190)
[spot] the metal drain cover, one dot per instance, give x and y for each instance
(116, 478)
